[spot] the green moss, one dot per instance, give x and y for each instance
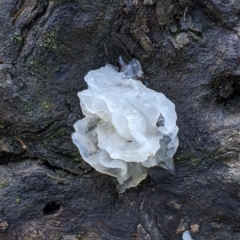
(4, 184)
(62, 132)
(76, 156)
(58, 237)
(29, 205)
(219, 217)
(205, 162)
(179, 158)
(47, 140)
(40, 67)
(50, 41)
(46, 105)
(17, 200)
(33, 107)
(61, 174)
(77, 159)
(56, 134)
(29, 107)
(194, 161)
(40, 64)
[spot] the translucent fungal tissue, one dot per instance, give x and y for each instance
(127, 127)
(186, 236)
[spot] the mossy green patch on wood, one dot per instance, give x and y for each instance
(17, 200)
(41, 67)
(58, 237)
(62, 131)
(179, 158)
(56, 134)
(194, 162)
(4, 184)
(50, 41)
(46, 105)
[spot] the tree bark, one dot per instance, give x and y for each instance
(189, 50)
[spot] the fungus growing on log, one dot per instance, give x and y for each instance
(127, 127)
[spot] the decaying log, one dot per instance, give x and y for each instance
(189, 50)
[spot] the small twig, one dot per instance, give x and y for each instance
(185, 13)
(24, 146)
(55, 178)
(105, 49)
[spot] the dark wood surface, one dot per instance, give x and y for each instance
(189, 50)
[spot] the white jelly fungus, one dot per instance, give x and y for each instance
(186, 235)
(127, 127)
